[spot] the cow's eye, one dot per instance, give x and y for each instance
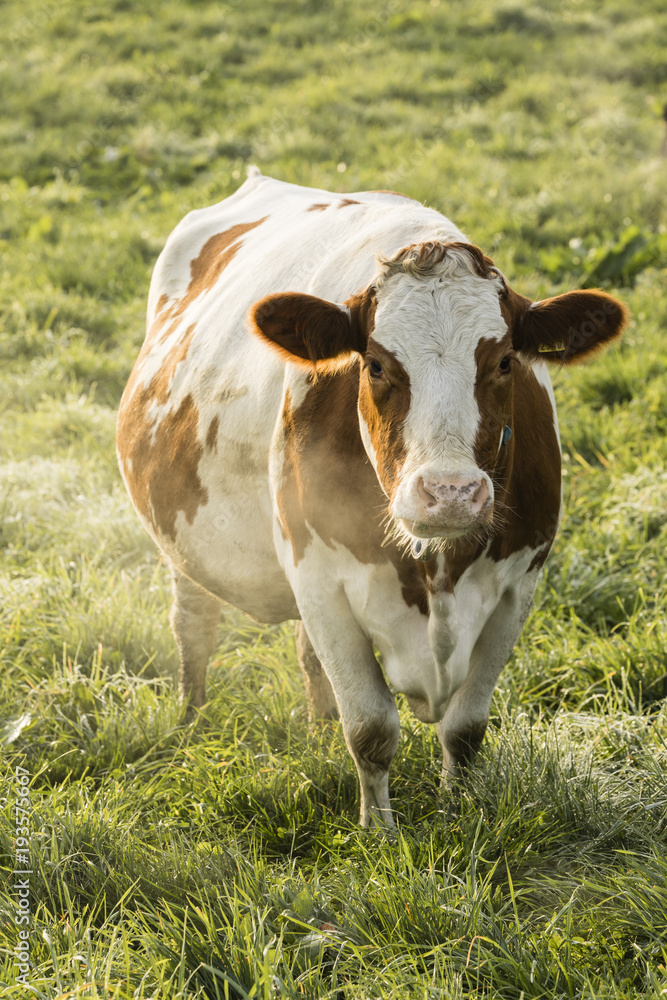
(375, 368)
(505, 365)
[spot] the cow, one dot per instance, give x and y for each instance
(342, 414)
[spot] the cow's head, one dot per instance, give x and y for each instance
(442, 338)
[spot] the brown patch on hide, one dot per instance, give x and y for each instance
(533, 491)
(526, 471)
(493, 395)
(160, 451)
(412, 575)
(384, 404)
(163, 477)
(212, 434)
(527, 478)
(567, 328)
(161, 315)
(159, 387)
(347, 201)
(459, 555)
(539, 558)
(213, 258)
(205, 270)
(526, 474)
(397, 194)
(290, 494)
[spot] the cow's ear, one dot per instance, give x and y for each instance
(570, 327)
(307, 329)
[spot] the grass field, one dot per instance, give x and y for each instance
(226, 861)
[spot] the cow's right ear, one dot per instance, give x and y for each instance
(307, 329)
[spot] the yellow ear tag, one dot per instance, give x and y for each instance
(543, 349)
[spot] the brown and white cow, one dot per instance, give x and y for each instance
(342, 414)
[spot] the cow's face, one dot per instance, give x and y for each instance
(441, 338)
(436, 387)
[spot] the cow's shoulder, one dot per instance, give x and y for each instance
(325, 470)
(327, 485)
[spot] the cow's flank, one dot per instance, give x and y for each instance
(161, 447)
(163, 465)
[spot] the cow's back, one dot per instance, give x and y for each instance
(205, 397)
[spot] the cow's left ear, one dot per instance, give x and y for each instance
(569, 327)
(307, 330)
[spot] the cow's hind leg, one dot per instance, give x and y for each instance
(321, 699)
(194, 618)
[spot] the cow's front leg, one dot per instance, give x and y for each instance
(462, 728)
(321, 699)
(194, 618)
(461, 737)
(367, 708)
(372, 740)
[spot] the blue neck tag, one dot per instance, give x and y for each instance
(507, 434)
(419, 549)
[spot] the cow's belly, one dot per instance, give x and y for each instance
(228, 550)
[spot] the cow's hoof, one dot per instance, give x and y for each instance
(193, 715)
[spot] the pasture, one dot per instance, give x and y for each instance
(225, 860)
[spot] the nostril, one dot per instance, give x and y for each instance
(481, 495)
(429, 499)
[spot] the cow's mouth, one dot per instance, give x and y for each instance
(426, 531)
(424, 541)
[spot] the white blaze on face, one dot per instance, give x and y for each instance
(433, 326)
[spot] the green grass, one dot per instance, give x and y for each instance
(225, 860)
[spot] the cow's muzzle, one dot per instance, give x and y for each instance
(446, 505)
